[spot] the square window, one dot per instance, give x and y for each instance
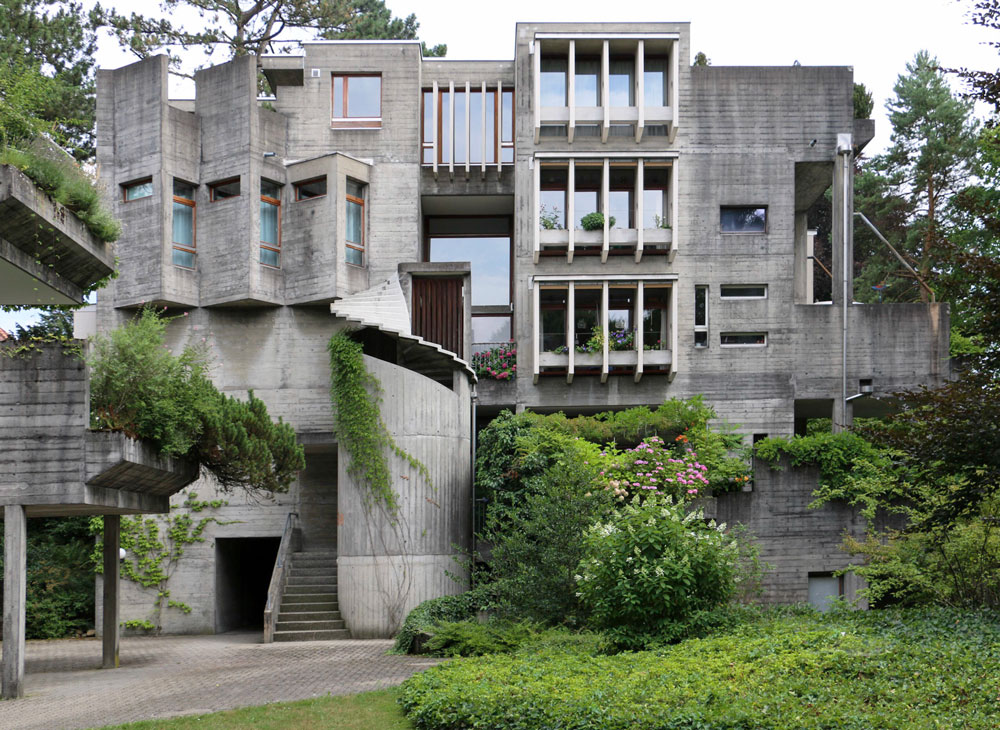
(357, 100)
(743, 219)
(137, 190)
(309, 189)
(224, 189)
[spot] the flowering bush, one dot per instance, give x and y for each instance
(621, 340)
(651, 567)
(498, 363)
(654, 468)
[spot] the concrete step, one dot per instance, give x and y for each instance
(318, 607)
(316, 597)
(312, 587)
(315, 555)
(311, 580)
(309, 616)
(309, 625)
(322, 570)
(321, 635)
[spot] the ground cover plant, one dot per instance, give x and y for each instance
(899, 668)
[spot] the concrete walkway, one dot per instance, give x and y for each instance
(167, 676)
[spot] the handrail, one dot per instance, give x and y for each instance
(897, 255)
(279, 577)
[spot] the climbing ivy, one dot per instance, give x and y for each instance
(356, 395)
(152, 556)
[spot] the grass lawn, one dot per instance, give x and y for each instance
(368, 711)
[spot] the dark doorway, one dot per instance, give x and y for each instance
(243, 567)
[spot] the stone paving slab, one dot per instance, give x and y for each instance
(167, 676)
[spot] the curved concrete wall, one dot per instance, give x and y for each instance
(387, 566)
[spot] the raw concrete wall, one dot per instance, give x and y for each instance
(386, 566)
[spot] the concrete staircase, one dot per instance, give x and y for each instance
(309, 609)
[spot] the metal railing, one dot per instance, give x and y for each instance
(279, 576)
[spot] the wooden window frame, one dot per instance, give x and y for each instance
(141, 181)
(213, 186)
(345, 120)
(192, 249)
(276, 202)
(297, 186)
(359, 201)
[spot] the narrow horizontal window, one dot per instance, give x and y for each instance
(743, 339)
(309, 189)
(743, 291)
(137, 190)
(224, 189)
(743, 219)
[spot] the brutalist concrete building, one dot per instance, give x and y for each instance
(595, 181)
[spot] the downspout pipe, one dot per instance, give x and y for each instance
(472, 470)
(845, 150)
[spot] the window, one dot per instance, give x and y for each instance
(137, 190)
(357, 101)
(355, 228)
(621, 194)
(743, 291)
(655, 184)
(499, 120)
(587, 87)
(553, 80)
(655, 323)
(824, 589)
(552, 302)
(270, 223)
(183, 224)
(309, 189)
(224, 189)
(743, 339)
(621, 90)
(654, 81)
(743, 219)
(701, 316)
(552, 196)
(587, 191)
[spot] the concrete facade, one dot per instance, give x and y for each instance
(668, 148)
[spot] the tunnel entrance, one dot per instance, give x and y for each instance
(243, 567)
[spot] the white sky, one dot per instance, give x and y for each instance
(876, 37)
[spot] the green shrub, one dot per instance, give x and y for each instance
(420, 620)
(595, 222)
(472, 638)
(652, 566)
(912, 670)
(79, 195)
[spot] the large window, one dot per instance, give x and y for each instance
(655, 184)
(552, 196)
(743, 219)
(553, 90)
(499, 121)
(270, 223)
(654, 81)
(355, 228)
(357, 100)
(621, 194)
(621, 88)
(183, 224)
(485, 243)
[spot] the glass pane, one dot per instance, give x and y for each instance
(139, 190)
(553, 318)
(490, 329)
(270, 189)
(507, 154)
(268, 223)
(553, 81)
(354, 256)
(269, 257)
(552, 209)
(588, 71)
(620, 82)
(586, 314)
(508, 116)
(490, 259)
(654, 209)
(701, 339)
(743, 219)
(654, 81)
(230, 189)
(355, 223)
(491, 132)
(460, 137)
(468, 226)
(584, 202)
(476, 126)
(310, 189)
(355, 189)
(338, 96)
(734, 291)
(700, 306)
(364, 96)
(654, 329)
(445, 140)
(428, 117)
(743, 338)
(183, 190)
(183, 224)
(183, 258)
(620, 208)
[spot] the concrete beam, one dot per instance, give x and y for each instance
(14, 548)
(110, 638)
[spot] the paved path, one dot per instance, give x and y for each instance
(167, 676)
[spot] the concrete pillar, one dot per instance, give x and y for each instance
(14, 576)
(110, 638)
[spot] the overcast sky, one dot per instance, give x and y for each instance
(876, 37)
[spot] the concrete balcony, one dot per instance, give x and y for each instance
(47, 255)
(635, 362)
